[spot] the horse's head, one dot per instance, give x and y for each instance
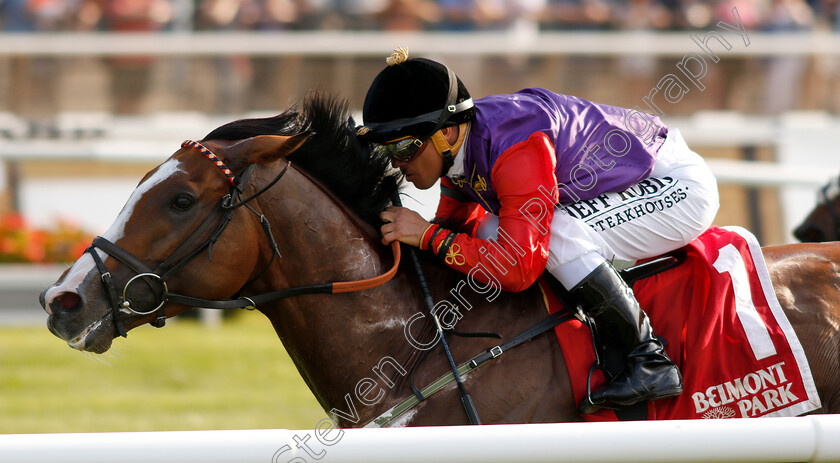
(823, 223)
(182, 225)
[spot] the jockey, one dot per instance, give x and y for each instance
(536, 181)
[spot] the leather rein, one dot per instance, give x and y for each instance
(221, 216)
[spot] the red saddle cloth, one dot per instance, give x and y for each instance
(725, 329)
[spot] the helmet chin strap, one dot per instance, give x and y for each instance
(447, 151)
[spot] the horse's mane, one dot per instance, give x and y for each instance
(366, 183)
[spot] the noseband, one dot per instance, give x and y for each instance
(185, 252)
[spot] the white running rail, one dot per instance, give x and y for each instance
(803, 439)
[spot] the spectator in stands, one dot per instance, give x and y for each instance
(15, 16)
(583, 73)
(408, 15)
(33, 84)
(131, 75)
(231, 74)
(784, 73)
(639, 72)
(262, 87)
(360, 14)
(833, 6)
(646, 15)
(691, 14)
(458, 15)
(731, 83)
(836, 14)
(576, 14)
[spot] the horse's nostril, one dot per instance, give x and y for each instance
(66, 301)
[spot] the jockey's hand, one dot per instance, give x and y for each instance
(402, 224)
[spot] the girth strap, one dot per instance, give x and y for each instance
(548, 323)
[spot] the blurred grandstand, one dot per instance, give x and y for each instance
(43, 86)
(408, 15)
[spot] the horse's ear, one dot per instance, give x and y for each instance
(267, 148)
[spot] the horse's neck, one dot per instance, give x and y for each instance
(337, 341)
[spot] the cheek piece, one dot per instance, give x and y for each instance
(447, 151)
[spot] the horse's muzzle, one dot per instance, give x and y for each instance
(808, 233)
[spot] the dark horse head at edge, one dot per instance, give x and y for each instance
(823, 222)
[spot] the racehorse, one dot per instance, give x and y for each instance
(295, 206)
(823, 223)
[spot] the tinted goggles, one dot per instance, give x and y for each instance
(402, 150)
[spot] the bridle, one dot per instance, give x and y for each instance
(832, 210)
(221, 216)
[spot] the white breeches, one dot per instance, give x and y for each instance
(659, 214)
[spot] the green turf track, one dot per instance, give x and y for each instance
(182, 377)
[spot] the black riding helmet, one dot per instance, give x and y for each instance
(415, 97)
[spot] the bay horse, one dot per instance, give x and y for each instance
(823, 223)
(298, 206)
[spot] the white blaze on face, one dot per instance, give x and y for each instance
(85, 264)
(166, 170)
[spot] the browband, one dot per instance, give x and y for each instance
(211, 156)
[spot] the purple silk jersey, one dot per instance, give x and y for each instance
(598, 148)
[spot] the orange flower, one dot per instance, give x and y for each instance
(12, 222)
(21, 243)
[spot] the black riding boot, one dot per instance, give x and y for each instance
(648, 373)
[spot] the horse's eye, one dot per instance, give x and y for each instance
(183, 202)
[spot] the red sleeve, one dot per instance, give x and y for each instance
(520, 177)
(455, 208)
